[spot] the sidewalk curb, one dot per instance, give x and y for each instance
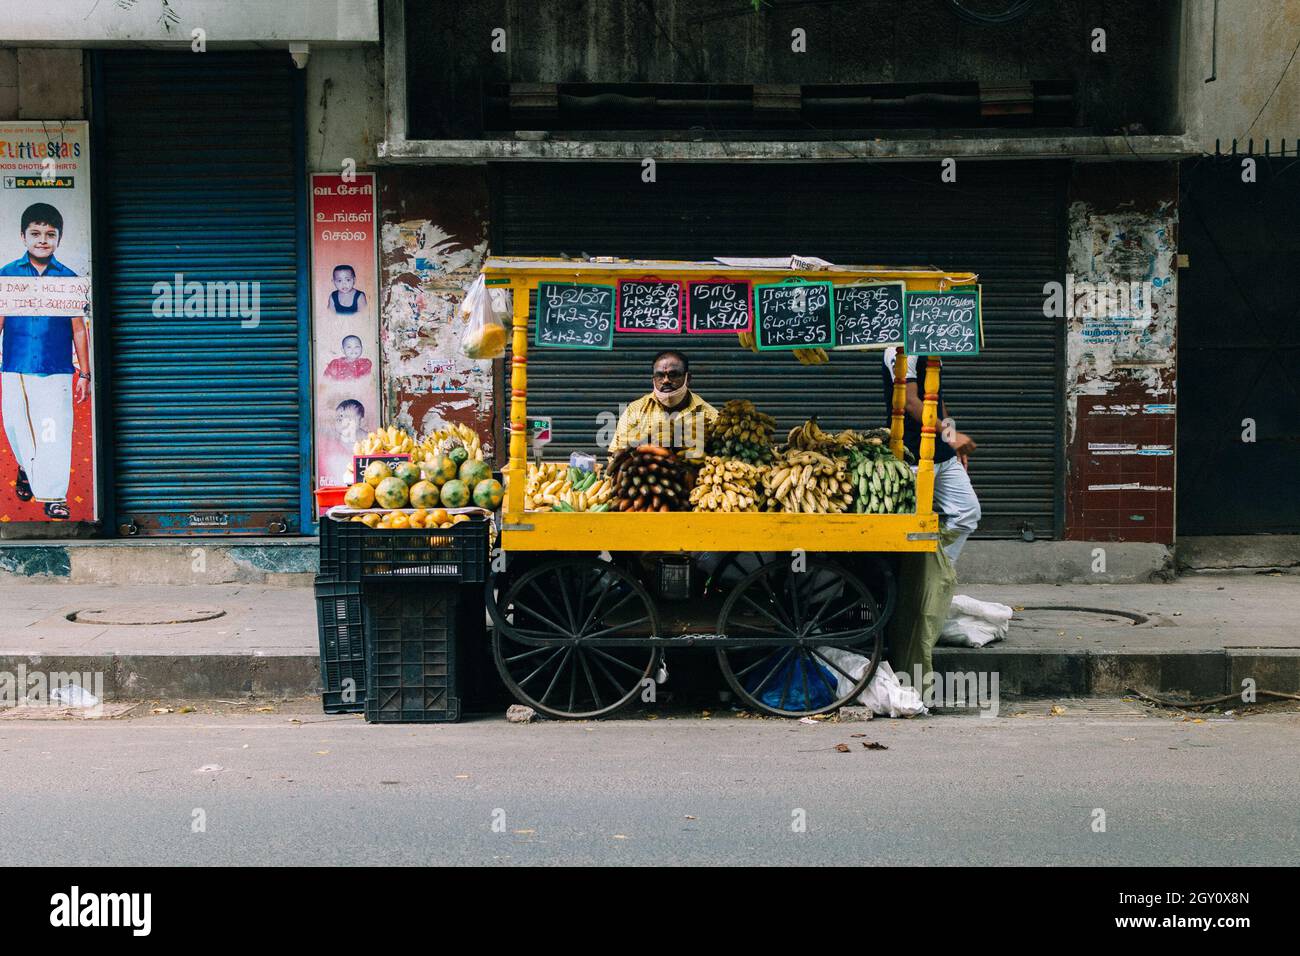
(1025, 672)
(183, 676)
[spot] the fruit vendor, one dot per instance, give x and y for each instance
(671, 416)
(954, 498)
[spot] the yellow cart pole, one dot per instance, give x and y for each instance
(518, 467)
(899, 403)
(929, 426)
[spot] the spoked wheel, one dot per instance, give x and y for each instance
(570, 637)
(785, 634)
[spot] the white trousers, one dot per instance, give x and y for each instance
(955, 503)
(37, 413)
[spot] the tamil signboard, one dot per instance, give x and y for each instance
(345, 280)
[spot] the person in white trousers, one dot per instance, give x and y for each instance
(954, 497)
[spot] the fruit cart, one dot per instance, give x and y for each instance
(578, 633)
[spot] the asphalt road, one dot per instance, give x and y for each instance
(948, 790)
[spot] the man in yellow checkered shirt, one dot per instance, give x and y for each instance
(671, 415)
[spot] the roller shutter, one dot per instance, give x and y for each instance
(1005, 221)
(203, 176)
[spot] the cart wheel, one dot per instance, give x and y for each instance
(776, 627)
(570, 637)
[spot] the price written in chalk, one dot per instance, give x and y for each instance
(575, 316)
(649, 305)
(794, 316)
(718, 307)
(943, 323)
(869, 315)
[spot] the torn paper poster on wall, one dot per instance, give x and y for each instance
(1120, 353)
(433, 242)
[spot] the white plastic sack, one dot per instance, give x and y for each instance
(974, 623)
(885, 695)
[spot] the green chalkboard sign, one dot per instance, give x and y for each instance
(943, 323)
(573, 315)
(794, 315)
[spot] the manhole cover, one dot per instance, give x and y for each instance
(145, 614)
(1063, 617)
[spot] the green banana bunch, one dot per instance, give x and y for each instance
(881, 483)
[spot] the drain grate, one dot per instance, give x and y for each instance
(1065, 616)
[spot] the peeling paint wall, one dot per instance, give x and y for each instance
(433, 242)
(1121, 374)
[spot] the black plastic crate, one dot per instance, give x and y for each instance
(329, 558)
(411, 645)
(362, 553)
(340, 624)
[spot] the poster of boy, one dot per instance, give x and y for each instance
(345, 336)
(47, 465)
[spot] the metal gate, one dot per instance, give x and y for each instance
(1239, 349)
(1005, 221)
(202, 248)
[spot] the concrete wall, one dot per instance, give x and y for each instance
(1255, 45)
(726, 41)
(127, 22)
(1120, 369)
(42, 84)
(345, 107)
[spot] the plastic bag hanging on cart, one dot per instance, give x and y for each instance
(485, 335)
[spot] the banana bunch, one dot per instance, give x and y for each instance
(808, 482)
(747, 341)
(816, 356)
(553, 486)
(742, 432)
(881, 483)
(724, 485)
(445, 439)
(385, 441)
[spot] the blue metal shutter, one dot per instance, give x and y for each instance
(203, 176)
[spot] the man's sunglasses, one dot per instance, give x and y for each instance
(674, 376)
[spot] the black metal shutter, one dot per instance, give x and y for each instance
(1005, 221)
(202, 178)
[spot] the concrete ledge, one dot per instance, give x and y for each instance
(280, 562)
(1064, 562)
(189, 676)
(1238, 551)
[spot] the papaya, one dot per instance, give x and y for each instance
(455, 494)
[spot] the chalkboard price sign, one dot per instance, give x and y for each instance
(943, 323)
(718, 307)
(870, 315)
(796, 315)
(575, 316)
(649, 305)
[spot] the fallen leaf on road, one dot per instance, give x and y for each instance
(704, 714)
(186, 710)
(806, 720)
(842, 748)
(689, 817)
(321, 753)
(161, 710)
(1057, 710)
(857, 735)
(874, 745)
(266, 710)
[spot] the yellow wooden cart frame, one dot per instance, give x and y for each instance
(711, 531)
